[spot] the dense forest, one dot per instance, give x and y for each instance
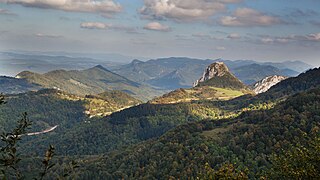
(247, 141)
(248, 137)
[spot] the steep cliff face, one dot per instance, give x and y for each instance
(217, 69)
(218, 75)
(266, 83)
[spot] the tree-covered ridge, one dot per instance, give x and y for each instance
(51, 107)
(91, 81)
(247, 141)
(174, 126)
(134, 124)
(10, 85)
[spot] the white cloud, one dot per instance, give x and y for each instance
(248, 17)
(94, 25)
(220, 48)
(183, 10)
(202, 36)
(267, 40)
(105, 7)
(47, 35)
(156, 26)
(313, 37)
(282, 40)
(105, 26)
(234, 36)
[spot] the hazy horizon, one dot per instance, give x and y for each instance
(228, 29)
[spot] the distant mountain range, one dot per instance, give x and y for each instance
(11, 63)
(173, 73)
(164, 73)
(250, 74)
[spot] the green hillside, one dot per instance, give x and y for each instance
(49, 107)
(10, 85)
(146, 121)
(247, 141)
(162, 140)
(307, 80)
(89, 82)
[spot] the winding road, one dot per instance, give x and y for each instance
(42, 132)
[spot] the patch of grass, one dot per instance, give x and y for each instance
(225, 94)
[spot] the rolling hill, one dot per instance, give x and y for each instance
(50, 107)
(247, 141)
(89, 82)
(10, 85)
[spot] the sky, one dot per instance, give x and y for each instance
(262, 30)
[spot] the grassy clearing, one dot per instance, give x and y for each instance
(225, 94)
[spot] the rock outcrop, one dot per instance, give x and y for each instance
(217, 69)
(266, 83)
(218, 75)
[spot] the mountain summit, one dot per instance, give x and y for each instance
(216, 83)
(218, 75)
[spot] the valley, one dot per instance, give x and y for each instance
(198, 125)
(159, 90)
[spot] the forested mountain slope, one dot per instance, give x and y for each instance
(10, 85)
(188, 134)
(89, 82)
(247, 141)
(49, 107)
(145, 121)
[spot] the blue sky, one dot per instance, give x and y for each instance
(265, 30)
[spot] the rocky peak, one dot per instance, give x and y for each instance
(217, 69)
(266, 83)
